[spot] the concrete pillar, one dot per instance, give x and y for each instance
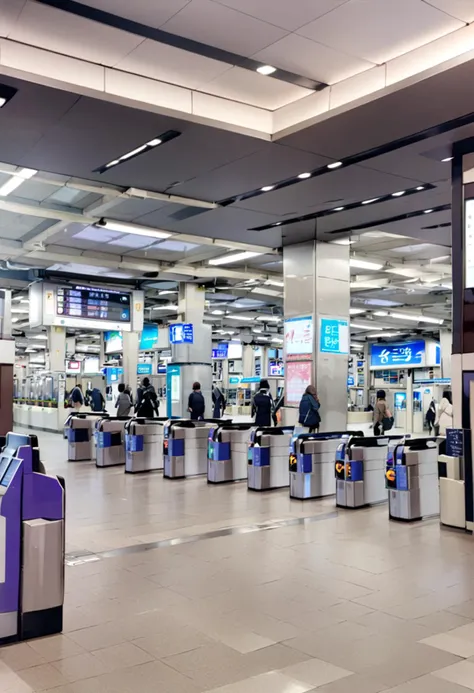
(317, 327)
(131, 341)
(7, 361)
(446, 343)
(102, 350)
(57, 349)
(248, 360)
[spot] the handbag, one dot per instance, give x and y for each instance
(387, 423)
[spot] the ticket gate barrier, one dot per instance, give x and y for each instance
(228, 446)
(312, 464)
(80, 435)
(360, 470)
(185, 447)
(144, 444)
(412, 481)
(452, 498)
(110, 448)
(32, 523)
(268, 458)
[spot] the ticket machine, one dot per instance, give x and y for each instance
(32, 543)
(144, 445)
(268, 458)
(228, 452)
(412, 480)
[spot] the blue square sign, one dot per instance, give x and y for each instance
(181, 333)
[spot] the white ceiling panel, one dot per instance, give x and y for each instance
(151, 13)
(379, 30)
(461, 9)
(285, 14)
(65, 33)
(311, 59)
(172, 65)
(14, 226)
(250, 87)
(216, 25)
(9, 13)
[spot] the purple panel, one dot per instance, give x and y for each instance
(11, 509)
(42, 498)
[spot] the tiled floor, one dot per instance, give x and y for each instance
(350, 603)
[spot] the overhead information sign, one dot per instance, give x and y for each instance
(334, 336)
(402, 354)
(149, 338)
(93, 304)
(181, 333)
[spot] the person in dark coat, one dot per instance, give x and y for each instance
(218, 402)
(431, 416)
(196, 403)
(309, 415)
(97, 400)
(262, 405)
(147, 401)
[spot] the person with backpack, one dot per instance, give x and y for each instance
(196, 403)
(76, 398)
(97, 400)
(263, 406)
(218, 402)
(309, 415)
(147, 401)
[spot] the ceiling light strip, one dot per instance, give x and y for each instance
(138, 151)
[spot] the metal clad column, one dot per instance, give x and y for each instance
(317, 284)
(130, 358)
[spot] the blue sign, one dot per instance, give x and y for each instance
(401, 354)
(455, 442)
(149, 338)
(113, 374)
(253, 379)
(144, 369)
(438, 354)
(181, 333)
(334, 336)
(234, 380)
(350, 381)
(221, 351)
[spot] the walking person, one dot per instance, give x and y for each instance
(262, 405)
(76, 398)
(123, 403)
(196, 403)
(431, 416)
(218, 402)
(444, 419)
(147, 401)
(309, 415)
(382, 415)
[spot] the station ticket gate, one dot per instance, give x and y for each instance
(185, 447)
(32, 534)
(144, 445)
(268, 458)
(110, 448)
(452, 501)
(360, 470)
(228, 452)
(312, 464)
(412, 480)
(80, 430)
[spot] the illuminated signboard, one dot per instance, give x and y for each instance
(181, 333)
(299, 336)
(93, 304)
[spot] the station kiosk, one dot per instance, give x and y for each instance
(228, 446)
(110, 448)
(360, 470)
(144, 445)
(32, 524)
(79, 430)
(412, 480)
(268, 458)
(185, 447)
(312, 464)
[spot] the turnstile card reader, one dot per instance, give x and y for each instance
(31, 543)
(144, 445)
(228, 452)
(412, 481)
(185, 448)
(110, 448)
(268, 458)
(80, 435)
(360, 471)
(312, 464)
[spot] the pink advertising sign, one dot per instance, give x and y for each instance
(298, 377)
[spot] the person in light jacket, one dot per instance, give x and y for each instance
(309, 410)
(123, 403)
(445, 413)
(380, 413)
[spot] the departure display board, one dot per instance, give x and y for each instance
(93, 304)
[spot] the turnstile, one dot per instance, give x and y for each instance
(228, 452)
(452, 501)
(80, 435)
(110, 448)
(32, 535)
(268, 458)
(412, 480)
(312, 464)
(185, 447)
(360, 470)
(144, 444)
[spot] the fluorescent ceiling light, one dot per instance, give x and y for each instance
(2, 101)
(338, 209)
(448, 158)
(441, 258)
(122, 227)
(416, 318)
(364, 264)
(217, 312)
(134, 152)
(16, 180)
(357, 346)
(170, 306)
(336, 164)
(233, 257)
(357, 326)
(238, 317)
(266, 70)
(267, 188)
(304, 175)
(166, 292)
(269, 318)
(256, 330)
(427, 211)
(368, 202)
(381, 313)
(398, 194)
(277, 340)
(154, 143)
(420, 187)
(343, 241)
(377, 335)
(266, 292)
(356, 311)
(39, 336)
(151, 144)
(24, 300)
(274, 282)
(365, 285)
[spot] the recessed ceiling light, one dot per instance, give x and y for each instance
(278, 223)
(122, 227)
(6, 93)
(398, 194)
(364, 264)
(266, 69)
(338, 209)
(165, 137)
(217, 312)
(427, 211)
(267, 188)
(112, 163)
(367, 202)
(154, 143)
(448, 158)
(134, 152)
(421, 187)
(304, 175)
(336, 164)
(233, 257)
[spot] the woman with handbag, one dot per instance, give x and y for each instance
(309, 410)
(383, 419)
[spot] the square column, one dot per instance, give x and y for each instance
(131, 342)
(317, 329)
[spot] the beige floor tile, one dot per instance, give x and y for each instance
(272, 682)
(245, 642)
(98, 637)
(42, 677)
(442, 621)
(121, 656)
(315, 672)
(449, 643)
(356, 683)
(426, 684)
(174, 641)
(464, 632)
(55, 647)
(461, 673)
(83, 666)
(20, 656)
